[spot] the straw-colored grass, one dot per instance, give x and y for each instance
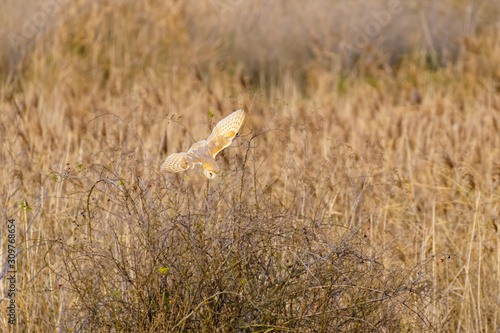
(362, 195)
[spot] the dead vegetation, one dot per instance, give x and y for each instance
(362, 195)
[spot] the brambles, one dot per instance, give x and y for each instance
(176, 261)
(347, 203)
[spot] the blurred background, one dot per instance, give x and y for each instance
(371, 118)
(258, 35)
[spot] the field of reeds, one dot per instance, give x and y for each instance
(362, 194)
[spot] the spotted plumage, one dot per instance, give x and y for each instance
(204, 152)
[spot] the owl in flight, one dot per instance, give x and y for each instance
(204, 152)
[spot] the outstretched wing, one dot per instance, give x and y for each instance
(225, 131)
(197, 147)
(178, 162)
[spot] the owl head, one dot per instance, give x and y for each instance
(210, 170)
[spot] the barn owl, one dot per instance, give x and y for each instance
(204, 152)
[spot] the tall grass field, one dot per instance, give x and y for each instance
(362, 193)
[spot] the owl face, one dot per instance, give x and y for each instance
(210, 170)
(210, 174)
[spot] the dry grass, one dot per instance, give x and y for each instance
(362, 195)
